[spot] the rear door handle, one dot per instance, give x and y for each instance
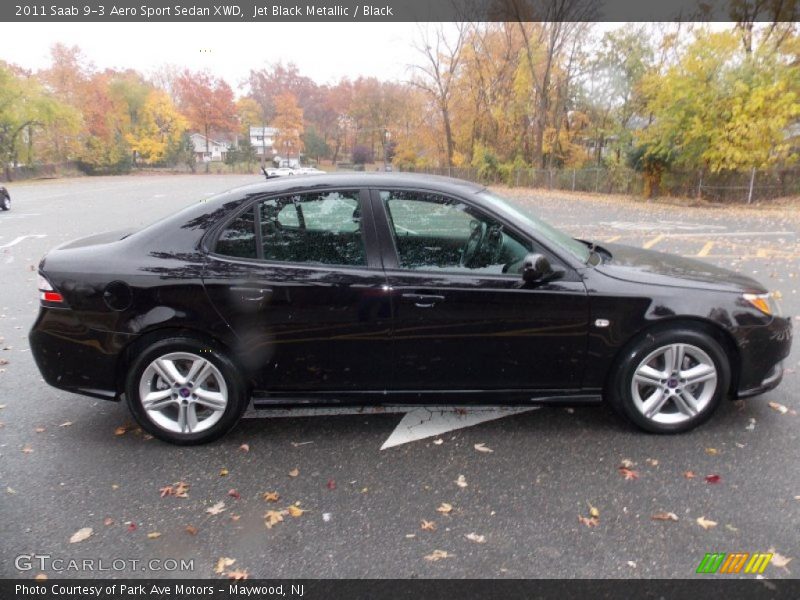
(424, 300)
(252, 294)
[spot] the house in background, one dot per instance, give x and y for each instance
(214, 151)
(263, 139)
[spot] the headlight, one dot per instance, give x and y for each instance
(763, 302)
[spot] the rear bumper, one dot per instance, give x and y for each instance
(75, 358)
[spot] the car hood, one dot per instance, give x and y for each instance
(658, 268)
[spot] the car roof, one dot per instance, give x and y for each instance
(303, 182)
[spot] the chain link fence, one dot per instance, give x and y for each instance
(755, 186)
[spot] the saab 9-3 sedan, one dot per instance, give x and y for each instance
(374, 288)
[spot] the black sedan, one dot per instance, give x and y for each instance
(385, 288)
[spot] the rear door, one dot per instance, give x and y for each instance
(463, 317)
(299, 279)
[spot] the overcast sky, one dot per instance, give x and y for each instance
(326, 52)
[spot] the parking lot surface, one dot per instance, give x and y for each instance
(501, 498)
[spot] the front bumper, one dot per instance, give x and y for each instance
(75, 358)
(763, 350)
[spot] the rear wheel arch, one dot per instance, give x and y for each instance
(145, 340)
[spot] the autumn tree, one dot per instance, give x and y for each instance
(160, 127)
(289, 123)
(437, 74)
(207, 103)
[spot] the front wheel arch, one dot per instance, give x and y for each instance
(714, 330)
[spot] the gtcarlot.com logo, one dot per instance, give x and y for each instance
(735, 562)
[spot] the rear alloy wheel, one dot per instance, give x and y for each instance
(184, 392)
(671, 381)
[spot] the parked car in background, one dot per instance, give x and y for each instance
(5, 199)
(369, 288)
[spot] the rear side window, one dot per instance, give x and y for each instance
(239, 237)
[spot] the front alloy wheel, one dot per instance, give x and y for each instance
(668, 381)
(185, 391)
(674, 383)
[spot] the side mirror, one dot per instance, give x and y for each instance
(536, 268)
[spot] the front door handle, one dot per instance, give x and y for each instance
(252, 294)
(424, 300)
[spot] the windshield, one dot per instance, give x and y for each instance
(521, 212)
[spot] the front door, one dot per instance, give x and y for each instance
(463, 318)
(298, 280)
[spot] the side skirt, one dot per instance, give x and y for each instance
(262, 401)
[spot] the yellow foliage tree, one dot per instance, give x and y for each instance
(160, 127)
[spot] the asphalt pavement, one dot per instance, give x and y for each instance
(508, 508)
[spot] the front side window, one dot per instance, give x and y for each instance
(316, 228)
(437, 233)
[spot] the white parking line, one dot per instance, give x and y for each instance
(16, 241)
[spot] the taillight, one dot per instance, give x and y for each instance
(47, 293)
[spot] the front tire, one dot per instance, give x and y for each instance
(670, 381)
(184, 391)
(5, 203)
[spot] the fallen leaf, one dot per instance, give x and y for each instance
(779, 560)
(40, 430)
(40, 576)
(294, 472)
(326, 517)
(713, 478)
(689, 474)
(665, 516)
(627, 473)
(712, 451)
(237, 574)
(445, 508)
(461, 481)
(10, 490)
(589, 521)
(108, 521)
(216, 509)
(121, 430)
(153, 535)
(235, 518)
(272, 518)
(295, 511)
(474, 537)
(778, 407)
(167, 490)
(222, 564)
(131, 526)
(627, 463)
(730, 527)
(271, 496)
(27, 449)
(705, 523)
(245, 447)
(438, 441)
(80, 535)
(181, 489)
(482, 448)
(234, 494)
(298, 444)
(190, 529)
(593, 511)
(3, 361)
(331, 485)
(223, 472)
(427, 525)
(437, 555)
(631, 564)
(652, 462)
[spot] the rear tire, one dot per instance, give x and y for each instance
(670, 381)
(184, 391)
(5, 203)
